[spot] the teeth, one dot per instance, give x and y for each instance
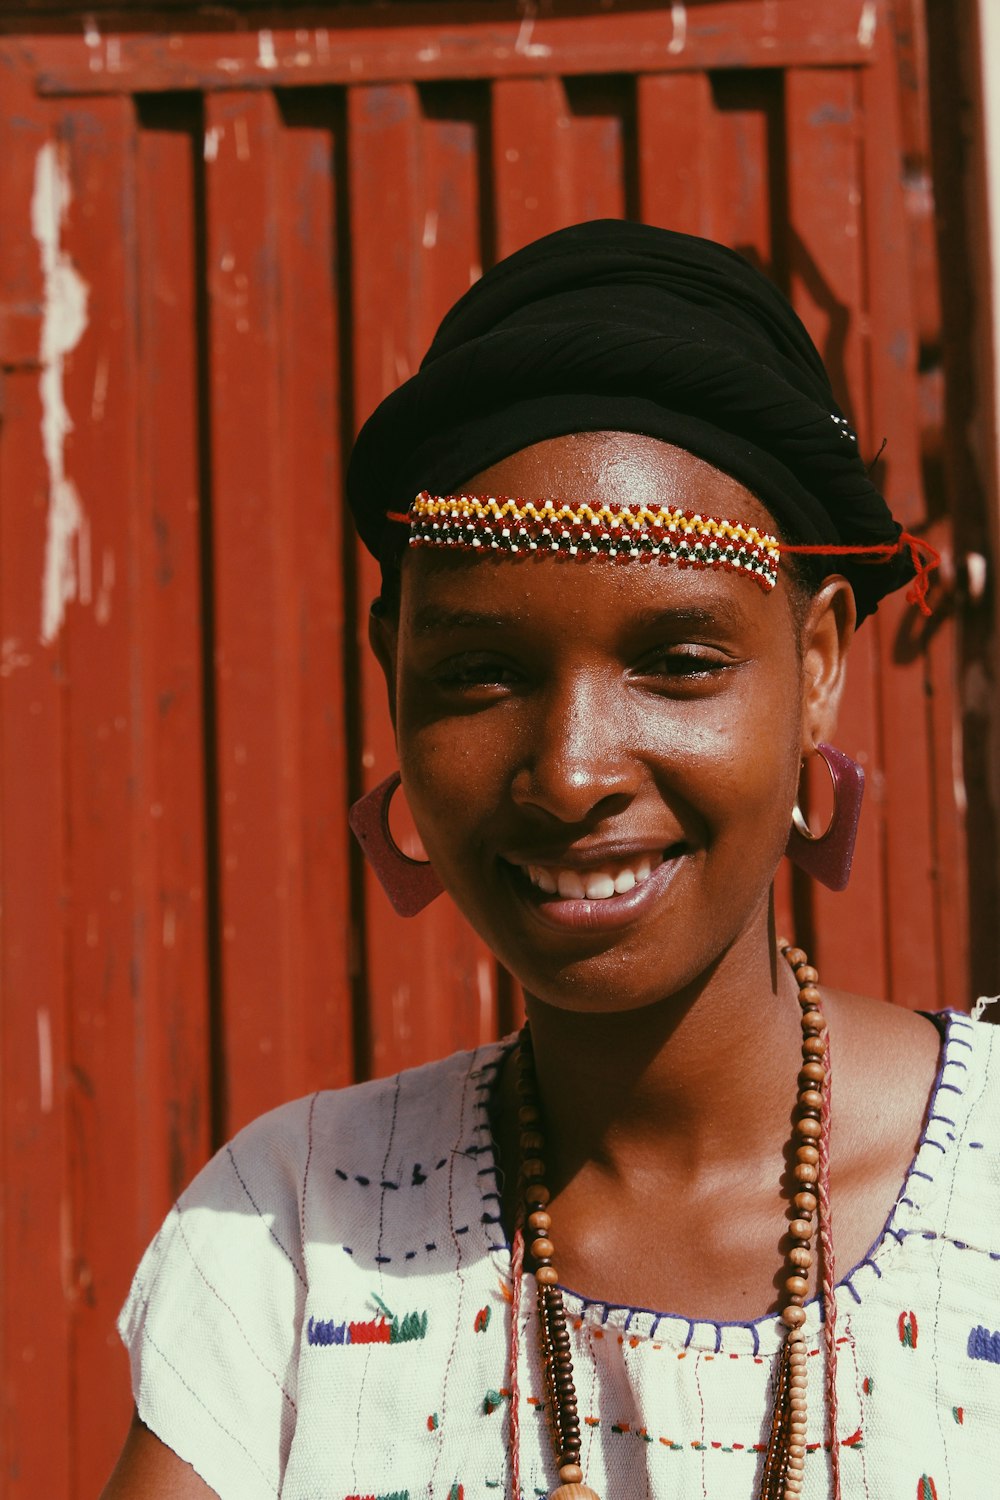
(591, 885)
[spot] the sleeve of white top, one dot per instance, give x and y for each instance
(213, 1321)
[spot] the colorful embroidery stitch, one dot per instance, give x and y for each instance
(984, 1345)
(385, 1330)
(908, 1330)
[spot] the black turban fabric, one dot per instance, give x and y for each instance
(616, 326)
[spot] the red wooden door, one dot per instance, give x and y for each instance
(221, 243)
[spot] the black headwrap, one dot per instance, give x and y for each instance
(622, 327)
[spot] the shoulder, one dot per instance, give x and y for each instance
(259, 1185)
(214, 1320)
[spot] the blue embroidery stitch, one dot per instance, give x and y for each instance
(984, 1345)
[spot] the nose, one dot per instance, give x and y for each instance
(577, 765)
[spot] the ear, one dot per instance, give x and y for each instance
(827, 633)
(383, 636)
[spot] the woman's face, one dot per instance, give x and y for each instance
(601, 759)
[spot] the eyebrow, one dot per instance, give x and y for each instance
(724, 612)
(433, 618)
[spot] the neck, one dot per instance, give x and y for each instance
(701, 1078)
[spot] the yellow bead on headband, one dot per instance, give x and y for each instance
(489, 523)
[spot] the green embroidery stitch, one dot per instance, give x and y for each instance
(413, 1326)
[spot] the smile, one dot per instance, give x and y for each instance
(598, 897)
(598, 884)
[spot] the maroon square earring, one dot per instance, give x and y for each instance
(827, 857)
(410, 884)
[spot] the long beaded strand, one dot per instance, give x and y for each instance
(784, 1462)
(557, 1355)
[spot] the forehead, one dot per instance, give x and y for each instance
(620, 471)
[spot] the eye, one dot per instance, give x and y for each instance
(691, 662)
(474, 670)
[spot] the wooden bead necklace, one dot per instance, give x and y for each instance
(784, 1461)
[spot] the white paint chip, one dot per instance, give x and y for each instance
(430, 229)
(266, 55)
(867, 24)
(12, 657)
(102, 608)
(45, 1071)
(99, 398)
(678, 28)
(212, 138)
(64, 323)
(523, 44)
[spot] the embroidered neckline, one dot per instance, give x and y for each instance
(758, 1336)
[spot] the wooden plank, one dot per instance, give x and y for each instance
(746, 191)
(674, 124)
(431, 986)
(119, 53)
(310, 198)
(917, 935)
(601, 135)
(35, 1312)
(532, 183)
(173, 1041)
(259, 842)
(455, 232)
(111, 870)
(827, 287)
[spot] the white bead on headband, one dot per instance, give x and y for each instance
(489, 523)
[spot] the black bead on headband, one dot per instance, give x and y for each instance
(616, 326)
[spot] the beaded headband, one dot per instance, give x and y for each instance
(498, 524)
(489, 523)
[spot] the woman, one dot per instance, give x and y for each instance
(603, 764)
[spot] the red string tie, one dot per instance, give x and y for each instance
(923, 555)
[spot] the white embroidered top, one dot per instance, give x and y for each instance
(325, 1316)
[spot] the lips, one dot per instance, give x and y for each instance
(600, 883)
(594, 894)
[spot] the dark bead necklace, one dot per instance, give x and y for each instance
(784, 1461)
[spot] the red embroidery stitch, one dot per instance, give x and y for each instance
(378, 1331)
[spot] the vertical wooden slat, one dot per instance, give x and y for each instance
(172, 1045)
(454, 232)
(318, 1023)
(430, 983)
(259, 843)
(601, 127)
(746, 190)
(35, 1314)
(827, 287)
(532, 187)
(110, 854)
(915, 935)
(674, 120)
